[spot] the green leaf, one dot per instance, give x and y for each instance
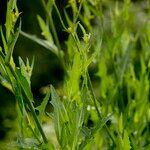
(4, 41)
(74, 76)
(86, 37)
(48, 146)
(70, 23)
(60, 113)
(126, 141)
(2, 65)
(45, 30)
(25, 85)
(101, 124)
(6, 84)
(89, 133)
(120, 143)
(11, 43)
(19, 98)
(120, 124)
(42, 107)
(27, 143)
(26, 70)
(85, 96)
(50, 46)
(50, 4)
(123, 142)
(12, 15)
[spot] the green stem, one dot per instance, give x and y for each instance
(51, 24)
(78, 12)
(29, 125)
(96, 107)
(61, 20)
(36, 120)
(61, 57)
(30, 106)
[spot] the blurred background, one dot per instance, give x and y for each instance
(47, 68)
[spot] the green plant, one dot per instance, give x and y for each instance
(117, 104)
(17, 80)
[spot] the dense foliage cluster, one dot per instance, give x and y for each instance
(103, 100)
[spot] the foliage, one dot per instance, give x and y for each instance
(111, 113)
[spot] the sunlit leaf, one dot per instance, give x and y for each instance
(45, 30)
(12, 15)
(126, 141)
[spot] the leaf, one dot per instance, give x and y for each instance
(12, 15)
(86, 36)
(86, 132)
(4, 41)
(50, 4)
(25, 85)
(45, 30)
(120, 124)
(47, 146)
(50, 46)
(42, 107)
(9, 19)
(27, 143)
(19, 98)
(6, 84)
(126, 141)
(26, 70)
(85, 96)
(74, 77)
(11, 43)
(120, 144)
(69, 22)
(93, 56)
(60, 113)
(101, 124)
(2, 65)
(89, 134)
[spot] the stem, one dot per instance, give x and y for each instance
(61, 58)
(61, 20)
(36, 120)
(78, 12)
(51, 24)
(30, 106)
(98, 112)
(29, 125)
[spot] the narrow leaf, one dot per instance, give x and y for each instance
(45, 30)
(60, 113)
(25, 85)
(126, 141)
(4, 41)
(42, 107)
(50, 46)
(12, 15)
(12, 43)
